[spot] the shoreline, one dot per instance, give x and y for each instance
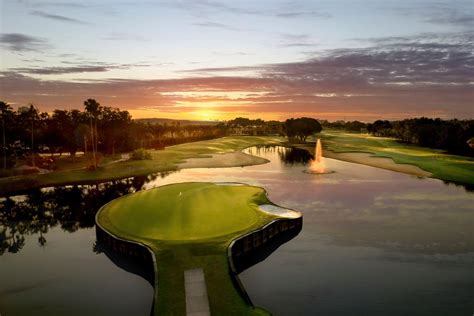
(217, 153)
(368, 159)
(241, 159)
(213, 158)
(223, 160)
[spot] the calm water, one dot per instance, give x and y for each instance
(374, 242)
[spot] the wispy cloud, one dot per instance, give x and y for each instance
(300, 14)
(206, 8)
(57, 17)
(296, 40)
(78, 68)
(116, 36)
(463, 19)
(67, 4)
(216, 25)
(61, 70)
(439, 13)
(18, 42)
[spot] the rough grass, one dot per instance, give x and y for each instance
(163, 219)
(162, 160)
(443, 166)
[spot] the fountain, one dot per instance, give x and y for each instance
(317, 165)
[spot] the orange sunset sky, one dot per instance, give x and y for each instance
(216, 60)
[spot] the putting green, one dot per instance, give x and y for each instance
(191, 225)
(186, 211)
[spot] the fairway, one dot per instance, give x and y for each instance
(441, 165)
(187, 211)
(165, 160)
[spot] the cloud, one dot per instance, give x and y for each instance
(68, 4)
(18, 42)
(93, 7)
(439, 13)
(216, 25)
(300, 14)
(61, 70)
(393, 78)
(206, 8)
(456, 18)
(298, 45)
(78, 68)
(420, 60)
(296, 40)
(57, 17)
(116, 36)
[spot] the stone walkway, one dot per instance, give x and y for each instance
(197, 303)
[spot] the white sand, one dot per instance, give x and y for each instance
(279, 211)
(233, 159)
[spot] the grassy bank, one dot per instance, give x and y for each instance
(190, 225)
(162, 160)
(441, 165)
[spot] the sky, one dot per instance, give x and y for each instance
(217, 60)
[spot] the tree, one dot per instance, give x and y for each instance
(93, 109)
(114, 129)
(32, 114)
(5, 110)
(380, 128)
(302, 127)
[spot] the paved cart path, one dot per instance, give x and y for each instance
(197, 303)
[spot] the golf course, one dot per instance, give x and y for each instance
(388, 153)
(190, 226)
(381, 152)
(74, 171)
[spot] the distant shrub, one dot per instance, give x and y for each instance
(141, 154)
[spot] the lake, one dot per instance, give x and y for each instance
(374, 242)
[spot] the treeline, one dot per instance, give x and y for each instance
(297, 130)
(246, 126)
(350, 126)
(26, 132)
(450, 135)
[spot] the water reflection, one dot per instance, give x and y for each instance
(70, 207)
(290, 156)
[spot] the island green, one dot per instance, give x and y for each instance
(188, 226)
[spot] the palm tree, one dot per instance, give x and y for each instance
(4, 109)
(93, 109)
(32, 112)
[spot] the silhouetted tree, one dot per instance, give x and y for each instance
(6, 111)
(93, 109)
(32, 115)
(302, 127)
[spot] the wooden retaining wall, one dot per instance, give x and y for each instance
(254, 247)
(128, 255)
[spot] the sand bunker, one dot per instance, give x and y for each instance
(234, 159)
(379, 162)
(279, 211)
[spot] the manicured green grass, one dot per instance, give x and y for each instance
(177, 212)
(163, 160)
(443, 166)
(190, 225)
